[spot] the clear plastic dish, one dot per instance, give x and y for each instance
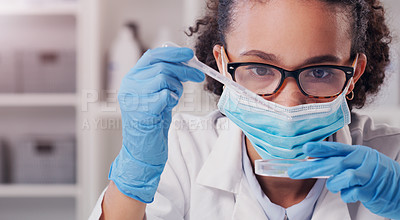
(278, 167)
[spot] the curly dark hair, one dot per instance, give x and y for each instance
(370, 35)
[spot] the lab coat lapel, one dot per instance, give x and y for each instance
(223, 168)
(247, 206)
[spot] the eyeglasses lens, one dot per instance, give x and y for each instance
(259, 79)
(322, 81)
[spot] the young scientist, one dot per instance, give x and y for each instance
(299, 54)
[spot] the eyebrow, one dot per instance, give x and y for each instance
(274, 59)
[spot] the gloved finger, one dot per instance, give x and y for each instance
(323, 167)
(151, 85)
(327, 149)
(165, 54)
(310, 169)
(151, 104)
(350, 195)
(348, 179)
(358, 170)
(178, 70)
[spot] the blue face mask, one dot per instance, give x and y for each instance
(279, 132)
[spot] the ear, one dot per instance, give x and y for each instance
(359, 70)
(218, 57)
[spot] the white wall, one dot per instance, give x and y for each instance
(389, 95)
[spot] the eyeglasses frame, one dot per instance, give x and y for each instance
(349, 73)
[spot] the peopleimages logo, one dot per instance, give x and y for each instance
(101, 109)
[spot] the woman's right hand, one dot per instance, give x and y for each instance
(146, 97)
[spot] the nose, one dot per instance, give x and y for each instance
(289, 94)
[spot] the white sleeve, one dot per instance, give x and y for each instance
(97, 211)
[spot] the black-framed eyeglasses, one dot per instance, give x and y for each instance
(321, 81)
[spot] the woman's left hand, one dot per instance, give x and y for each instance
(360, 173)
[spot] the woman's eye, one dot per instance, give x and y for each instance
(319, 73)
(261, 71)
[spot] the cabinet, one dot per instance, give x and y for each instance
(34, 39)
(36, 34)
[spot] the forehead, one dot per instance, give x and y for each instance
(289, 28)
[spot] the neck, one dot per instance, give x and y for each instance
(284, 192)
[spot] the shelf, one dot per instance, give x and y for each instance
(37, 100)
(45, 9)
(38, 191)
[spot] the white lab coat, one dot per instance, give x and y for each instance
(203, 178)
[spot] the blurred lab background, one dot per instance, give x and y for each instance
(61, 63)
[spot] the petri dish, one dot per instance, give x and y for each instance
(278, 167)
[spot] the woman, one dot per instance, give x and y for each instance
(301, 55)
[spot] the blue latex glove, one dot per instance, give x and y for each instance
(146, 97)
(358, 172)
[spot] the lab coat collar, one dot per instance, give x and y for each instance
(223, 167)
(343, 136)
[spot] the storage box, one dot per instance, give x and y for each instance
(8, 74)
(43, 160)
(51, 71)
